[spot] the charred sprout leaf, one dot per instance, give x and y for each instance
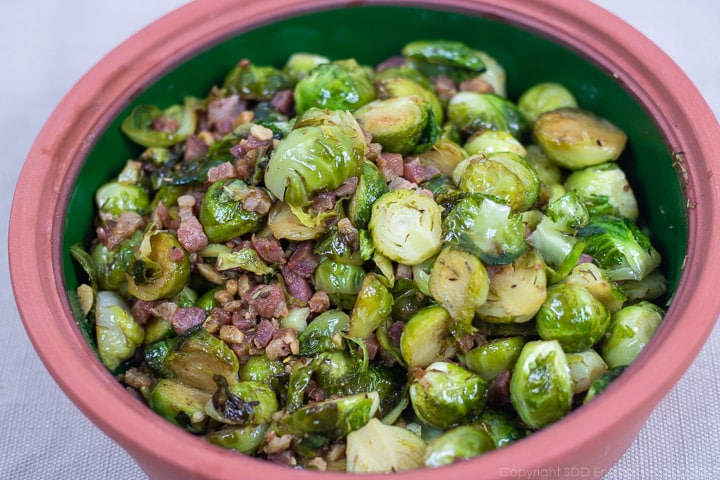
(545, 97)
(585, 368)
(605, 189)
(620, 248)
(373, 306)
(255, 82)
(631, 328)
(459, 282)
(319, 154)
(574, 139)
(602, 382)
(459, 443)
(517, 290)
(381, 448)
(427, 338)
(149, 126)
(486, 228)
(573, 317)
(222, 213)
(541, 386)
(155, 354)
(198, 356)
(246, 259)
(342, 85)
(402, 125)
(160, 269)
(406, 226)
(242, 403)
(493, 357)
(247, 439)
(447, 395)
(118, 333)
(180, 404)
(504, 175)
(473, 112)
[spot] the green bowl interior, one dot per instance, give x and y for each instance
(352, 32)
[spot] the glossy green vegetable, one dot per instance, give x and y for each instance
(178, 121)
(427, 337)
(323, 332)
(242, 403)
(545, 97)
(114, 198)
(574, 139)
(222, 213)
(599, 284)
(180, 404)
(256, 82)
(605, 189)
(473, 112)
(568, 212)
(493, 357)
(341, 281)
(381, 448)
(110, 265)
(161, 267)
(390, 85)
(372, 307)
(541, 386)
(444, 155)
(320, 153)
(447, 395)
(339, 85)
(491, 141)
(602, 382)
(406, 226)
(503, 427)
(371, 186)
(118, 333)
(573, 317)
(247, 439)
(631, 328)
(299, 64)
(435, 57)
(460, 443)
(585, 368)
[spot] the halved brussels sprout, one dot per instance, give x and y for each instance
(114, 198)
(260, 368)
(381, 448)
(198, 356)
(371, 186)
(517, 290)
(486, 228)
(631, 328)
(460, 443)
(602, 382)
(324, 148)
(283, 223)
(651, 287)
(568, 212)
(493, 357)
(180, 404)
(118, 333)
(575, 139)
(341, 281)
(541, 386)
(247, 439)
(548, 172)
(246, 259)
(504, 175)
(494, 73)
(605, 189)
(300, 63)
(446, 395)
(459, 283)
(598, 283)
(491, 141)
(560, 251)
(585, 368)
(427, 338)
(372, 307)
(545, 97)
(400, 85)
(473, 112)
(406, 226)
(161, 267)
(452, 58)
(619, 247)
(322, 333)
(143, 127)
(444, 155)
(242, 403)
(256, 82)
(222, 214)
(400, 124)
(573, 317)
(340, 85)
(111, 265)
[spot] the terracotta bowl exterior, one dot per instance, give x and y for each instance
(586, 443)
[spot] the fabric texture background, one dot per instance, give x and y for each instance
(48, 45)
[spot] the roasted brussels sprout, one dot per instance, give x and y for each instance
(118, 333)
(400, 85)
(246, 259)
(504, 175)
(341, 281)
(605, 190)
(575, 139)
(180, 404)
(149, 126)
(491, 141)
(651, 287)
(459, 283)
(568, 212)
(435, 57)
(256, 82)
(111, 265)
(473, 112)
(372, 307)
(247, 439)
(573, 317)
(486, 228)
(339, 85)
(619, 247)
(503, 427)
(114, 198)
(242, 403)
(631, 328)
(517, 290)
(541, 386)
(260, 368)
(545, 97)
(460, 443)
(381, 448)
(323, 332)
(549, 173)
(585, 368)
(400, 124)
(320, 153)
(560, 251)
(602, 382)
(406, 226)
(493, 357)
(444, 155)
(446, 395)
(299, 64)
(161, 267)
(222, 214)
(427, 338)
(371, 186)
(599, 284)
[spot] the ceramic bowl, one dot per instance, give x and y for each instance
(613, 70)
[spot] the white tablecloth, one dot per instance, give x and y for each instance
(48, 44)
